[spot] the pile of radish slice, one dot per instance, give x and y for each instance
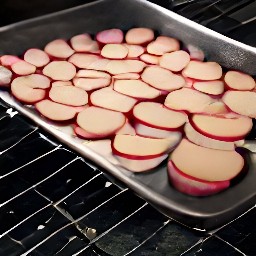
(152, 99)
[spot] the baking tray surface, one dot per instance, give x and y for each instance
(204, 213)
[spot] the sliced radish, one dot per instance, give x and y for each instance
(5, 76)
(156, 115)
(23, 68)
(215, 87)
(55, 111)
(195, 53)
(136, 89)
(84, 43)
(221, 128)
(162, 45)
(215, 108)
(97, 121)
(9, 60)
(83, 60)
(69, 95)
(134, 51)
(139, 36)
(241, 102)
(203, 70)
(60, 70)
(89, 84)
(114, 51)
(59, 49)
(175, 61)
(137, 147)
(188, 100)
(116, 67)
(150, 132)
(206, 164)
(100, 64)
(140, 165)
(162, 79)
(36, 57)
(80, 132)
(239, 81)
(126, 76)
(110, 99)
(126, 129)
(207, 142)
(92, 74)
(61, 83)
(110, 36)
(150, 59)
(33, 81)
(191, 186)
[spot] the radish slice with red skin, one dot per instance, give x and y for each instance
(36, 57)
(215, 87)
(110, 36)
(150, 59)
(174, 61)
(92, 74)
(89, 84)
(114, 51)
(134, 51)
(59, 49)
(61, 83)
(206, 164)
(139, 36)
(97, 121)
(162, 79)
(84, 43)
(140, 165)
(5, 76)
(126, 129)
(110, 99)
(23, 68)
(162, 45)
(239, 81)
(127, 76)
(86, 135)
(69, 95)
(34, 81)
(116, 67)
(9, 60)
(156, 115)
(202, 70)
(60, 70)
(55, 111)
(83, 60)
(241, 102)
(207, 142)
(191, 186)
(136, 89)
(216, 108)
(137, 147)
(197, 103)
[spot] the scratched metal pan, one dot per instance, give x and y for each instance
(205, 213)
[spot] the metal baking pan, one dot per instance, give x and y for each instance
(205, 213)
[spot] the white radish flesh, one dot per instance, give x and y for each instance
(175, 61)
(60, 70)
(8, 60)
(162, 79)
(80, 132)
(203, 70)
(83, 60)
(215, 108)
(55, 111)
(114, 51)
(206, 164)
(110, 36)
(84, 43)
(33, 81)
(110, 99)
(162, 45)
(36, 57)
(89, 84)
(139, 36)
(59, 49)
(92, 74)
(150, 59)
(195, 53)
(215, 87)
(197, 103)
(241, 102)
(116, 67)
(69, 95)
(97, 121)
(134, 51)
(126, 129)
(136, 89)
(126, 76)
(23, 68)
(5, 76)
(239, 81)
(61, 83)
